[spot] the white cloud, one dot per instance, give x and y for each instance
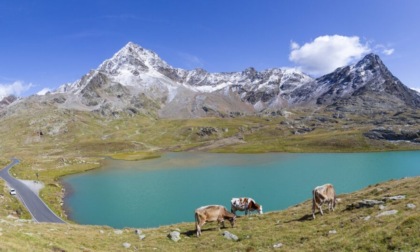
(388, 51)
(43, 91)
(15, 88)
(326, 53)
(294, 45)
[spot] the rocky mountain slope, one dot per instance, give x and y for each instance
(135, 80)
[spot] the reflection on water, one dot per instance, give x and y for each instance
(167, 190)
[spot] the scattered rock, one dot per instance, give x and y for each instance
(278, 245)
(101, 231)
(175, 236)
(230, 236)
(364, 203)
(332, 232)
(140, 234)
(397, 197)
(381, 207)
(367, 218)
(411, 206)
(206, 131)
(118, 232)
(386, 213)
(126, 245)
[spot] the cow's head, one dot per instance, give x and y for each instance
(232, 220)
(260, 211)
(336, 201)
(256, 206)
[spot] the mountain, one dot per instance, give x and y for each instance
(367, 85)
(137, 81)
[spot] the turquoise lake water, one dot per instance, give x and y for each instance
(167, 190)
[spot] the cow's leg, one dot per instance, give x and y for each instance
(200, 224)
(220, 220)
(198, 228)
(233, 210)
(314, 205)
(320, 208)
(197, 225)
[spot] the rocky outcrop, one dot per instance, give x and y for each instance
(390, 135)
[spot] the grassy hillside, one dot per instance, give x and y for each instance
(54, 142)
(346, 229)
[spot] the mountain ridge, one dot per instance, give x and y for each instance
(136, 80)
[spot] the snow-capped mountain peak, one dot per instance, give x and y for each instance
(134, 71)
(132, 58)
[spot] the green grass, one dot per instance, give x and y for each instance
(293, 227)
(74, 142)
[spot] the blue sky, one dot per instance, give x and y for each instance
(44, 44)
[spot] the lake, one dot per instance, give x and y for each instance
(167, 190)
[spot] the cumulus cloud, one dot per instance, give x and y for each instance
(15, 88)
(326, 53)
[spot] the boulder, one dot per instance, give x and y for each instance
(174, 236)
(397, 197)
(411, 206)
(140, 234)
(118, 232)
(278, 245)
(386, 213)
(364, 203)
(331, 232)
(230, 236)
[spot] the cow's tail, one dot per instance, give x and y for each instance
(335, 200)
(313, 203)
(197, 224)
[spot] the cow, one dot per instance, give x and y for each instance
(245, 204)
(323, 194)
(212, 213)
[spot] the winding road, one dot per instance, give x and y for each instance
(38, 209)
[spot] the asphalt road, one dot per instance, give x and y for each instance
(39, 211)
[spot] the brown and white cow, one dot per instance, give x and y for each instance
(245, 204)
(212, 213)
(323, 194)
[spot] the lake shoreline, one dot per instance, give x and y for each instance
(173, 171)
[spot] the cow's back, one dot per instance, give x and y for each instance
(329, 191)
(210, 213)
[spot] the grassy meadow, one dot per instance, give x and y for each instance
(55, 143)
(345, 229)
